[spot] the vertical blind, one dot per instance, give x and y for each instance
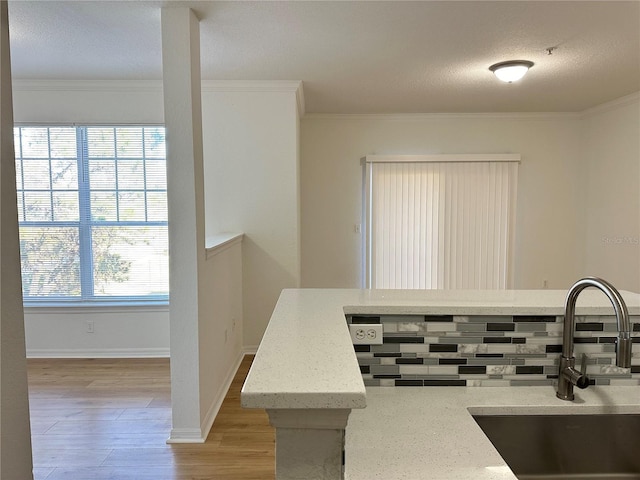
(440, 222)
(92, 207)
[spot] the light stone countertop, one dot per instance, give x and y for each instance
(306, 360)
(417, 433)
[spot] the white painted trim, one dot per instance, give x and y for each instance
(290, 86)
(250, 349)
(440, 116)
(192, 435)
(186, 435)
(88, 85)
(490, 157)
(99, 353)
(613, 104)
(155, 86)
(366, 221)
(214, 408)
(285, 86)
(217, 244)
(300, 100)
(85, 308)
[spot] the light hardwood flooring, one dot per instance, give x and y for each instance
(94, 419)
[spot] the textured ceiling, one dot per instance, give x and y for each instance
(355, 57)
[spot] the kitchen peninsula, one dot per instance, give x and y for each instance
(306, 375)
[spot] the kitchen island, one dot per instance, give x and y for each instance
(306, 375)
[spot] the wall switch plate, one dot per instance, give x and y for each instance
(366, 334)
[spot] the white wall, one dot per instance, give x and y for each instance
(251, 186)
(550, 211)
(88, 102)
(612, 153)
(251, 178)
(142, 331)
(251, 155)
(117, 331)
(220, 337)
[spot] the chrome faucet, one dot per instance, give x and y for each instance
(568, 375)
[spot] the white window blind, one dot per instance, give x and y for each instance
(440, 222)
(92, 207)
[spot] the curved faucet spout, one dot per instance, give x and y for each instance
(568, 376)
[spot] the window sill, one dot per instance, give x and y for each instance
(111, 307)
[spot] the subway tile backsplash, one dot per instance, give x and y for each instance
(449, 350)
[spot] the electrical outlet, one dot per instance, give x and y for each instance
(90, 327)
(366, 334)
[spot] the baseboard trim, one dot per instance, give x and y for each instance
(191, 435)
(186, 435)
(250, 349)
(99, 353)
(210, 417)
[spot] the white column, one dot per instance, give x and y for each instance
(15, 432)
(183, 121)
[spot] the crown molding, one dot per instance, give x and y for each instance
(613, 104)
(296, 86)
(441, 116)
(300, 101)
(282, 86)
(251, 85)
(155, 86)
(139, 86)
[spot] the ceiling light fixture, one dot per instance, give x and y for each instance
(511, 71)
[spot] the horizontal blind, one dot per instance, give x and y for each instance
(444, 225)
(92, 206)
(47, 173)
(127, 211)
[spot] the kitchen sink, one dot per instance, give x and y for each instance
(567, 447)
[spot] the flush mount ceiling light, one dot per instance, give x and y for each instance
(512, 70)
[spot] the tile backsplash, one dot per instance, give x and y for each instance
(451, 350)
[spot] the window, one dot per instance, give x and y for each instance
(440, 221)
(92, 208)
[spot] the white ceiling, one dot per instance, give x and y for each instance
(355, 57)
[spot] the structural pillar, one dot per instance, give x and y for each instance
(185, 192)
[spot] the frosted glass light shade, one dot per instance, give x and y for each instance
(511, 71)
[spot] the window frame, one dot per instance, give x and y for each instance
(85, 223)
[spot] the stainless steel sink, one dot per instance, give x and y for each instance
(567, 447)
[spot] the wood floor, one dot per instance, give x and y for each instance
(94, 419)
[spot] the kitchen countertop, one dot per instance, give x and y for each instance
(306, 360)
(416, 433)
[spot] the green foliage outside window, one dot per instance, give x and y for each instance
(92, 212)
